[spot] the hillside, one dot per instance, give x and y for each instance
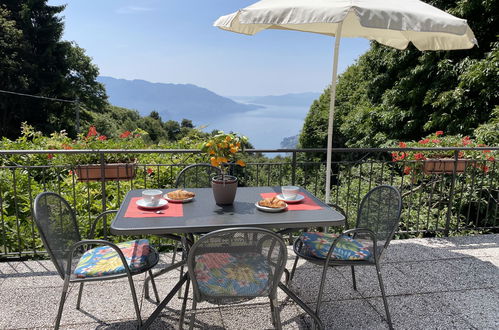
(171, 101)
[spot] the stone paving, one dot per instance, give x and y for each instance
(444, 283)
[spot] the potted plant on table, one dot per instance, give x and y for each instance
(116, 166)
(224, 150)
(441, 161)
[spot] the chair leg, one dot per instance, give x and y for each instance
(276, 318)
(78, 302)
(153, 282)
(385, 302)
(321, 290)
(193, 314)
(61, 303)
(135, 301)
(184, 304)
(293, 269)
(353, 279)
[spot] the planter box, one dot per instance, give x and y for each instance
(444, 166)
(112, 172)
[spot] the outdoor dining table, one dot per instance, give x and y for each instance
(202, 215)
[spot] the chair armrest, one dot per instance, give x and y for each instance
(352, 231)
(99, 217)
(96, 242)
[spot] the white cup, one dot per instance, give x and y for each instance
(290, 192)
(152, 196)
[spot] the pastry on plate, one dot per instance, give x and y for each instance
(272, 202)
(180, 194)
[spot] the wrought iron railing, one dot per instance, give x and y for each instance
(434, 204)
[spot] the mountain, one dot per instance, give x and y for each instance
(171, 101)
(294, 99)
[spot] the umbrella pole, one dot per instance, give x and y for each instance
(331, 111)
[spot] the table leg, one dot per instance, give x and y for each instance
(158, 273)
(165, 301)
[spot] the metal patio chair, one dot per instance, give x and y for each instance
(197, 176)
(236, 264)
(377, 220)
(60, 235)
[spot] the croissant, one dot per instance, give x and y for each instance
(180, 194)
(272, 202)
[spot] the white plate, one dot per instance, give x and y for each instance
(270, 209)
(187, 200)
(145, 205)
(297, 199)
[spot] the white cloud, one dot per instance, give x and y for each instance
(133, 9)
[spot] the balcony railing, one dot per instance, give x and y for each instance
(434, 204)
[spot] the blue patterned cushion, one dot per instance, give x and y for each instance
(317, 245)
(104, 260)
(232, 274)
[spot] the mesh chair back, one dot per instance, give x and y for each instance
(236, 264)
(380, 211)
(58, 228)
(197, 176)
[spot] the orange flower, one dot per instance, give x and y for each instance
(67, 147)
(214, 162)
(212, 152)
(402, 145)
(240, 163)
(222, 160)
(233, 150)
(437, 133)
(227, 138)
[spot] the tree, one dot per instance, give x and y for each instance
(186, 123)
(40, 63)
(391, 95)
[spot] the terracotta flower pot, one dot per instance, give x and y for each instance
(224, 189)
(443, 166)
(112, 172)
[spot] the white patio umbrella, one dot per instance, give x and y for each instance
(394, 23)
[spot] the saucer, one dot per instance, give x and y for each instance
(270, 209)
(297, 199)
(143, 204)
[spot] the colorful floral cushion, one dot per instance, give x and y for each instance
(232, 274)
(317, 244)
(104, 260)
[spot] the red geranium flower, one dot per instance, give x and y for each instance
(485, 168)
(491, 158)
(50, 156)
(402, 145)
(425, 141)
(438, 133)
(466, 140)
(92, 131)
(419, 156)
(149, 170)
(407, 170)
(125, 134)
(102, 137)
(436, 141)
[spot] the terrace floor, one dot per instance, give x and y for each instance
(445, 283)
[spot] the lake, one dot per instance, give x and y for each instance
(265, 127)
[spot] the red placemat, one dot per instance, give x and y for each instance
(305, 205)
(169, 210)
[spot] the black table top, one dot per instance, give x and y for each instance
(203, 215)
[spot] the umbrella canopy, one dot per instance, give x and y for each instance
(394, 23)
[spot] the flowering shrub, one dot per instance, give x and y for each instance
(93, 140)
(439, 140)
(223, 149)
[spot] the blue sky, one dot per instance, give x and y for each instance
(173, 41)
